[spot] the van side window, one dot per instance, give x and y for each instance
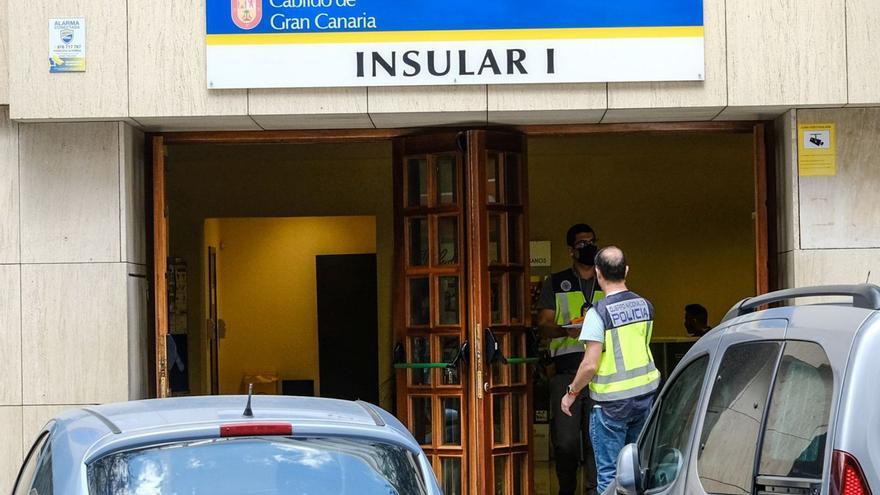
(667, 439)
(728, 442)
(29, 468)
(797, 422)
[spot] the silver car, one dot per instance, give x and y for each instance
(781, 400)
(227, 445)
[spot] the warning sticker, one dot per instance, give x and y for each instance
(817, 154)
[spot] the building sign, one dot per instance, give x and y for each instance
(817, 153)
(67, 44)
(327, 43)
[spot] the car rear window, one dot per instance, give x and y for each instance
(732, 424)
(266, 466)
(800, 407)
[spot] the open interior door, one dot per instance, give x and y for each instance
(160, 266)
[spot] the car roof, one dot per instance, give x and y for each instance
(82, 435)
(834, 326)
(147, 414)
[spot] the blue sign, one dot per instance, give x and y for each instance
(278, 16)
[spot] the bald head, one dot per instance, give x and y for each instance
(612, 263)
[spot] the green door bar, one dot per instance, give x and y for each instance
(523, 360)
(420, 365)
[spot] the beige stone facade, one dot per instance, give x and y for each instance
(73, 253)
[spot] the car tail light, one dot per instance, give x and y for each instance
(847, 477)
(255, 429)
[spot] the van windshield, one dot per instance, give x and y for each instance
(263, 465)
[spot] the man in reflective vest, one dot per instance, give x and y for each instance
(564, 297)
(617, 365)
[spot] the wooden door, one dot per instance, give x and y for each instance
(498, 263)
(429, 306)
(460, 224)
(160, 267)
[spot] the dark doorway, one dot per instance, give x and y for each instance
(348, 326)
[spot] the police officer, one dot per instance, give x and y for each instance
(565, 296)
(617, 365)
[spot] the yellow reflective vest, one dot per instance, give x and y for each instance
(627, 368)
(569, 301)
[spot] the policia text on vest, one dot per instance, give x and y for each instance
(627, 368)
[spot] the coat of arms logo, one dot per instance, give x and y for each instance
(246, 14)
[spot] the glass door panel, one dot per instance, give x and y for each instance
(447, 180)
(515, 298)
(514, 239)
(493, 179)
(447, 240)
(450, 307)
(450, 345)
(518, 419)
(512, 179)
(418, 241)
(495, 241)
(419, 302)
(520, 474)
(417, 182)
(420, 352)
(451, 478)
(500, 474)
(422, 419)
(451, 409)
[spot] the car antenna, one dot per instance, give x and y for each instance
(868, 277)
(248, 413)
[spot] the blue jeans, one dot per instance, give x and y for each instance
(609, 436)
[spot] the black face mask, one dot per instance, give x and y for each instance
(587, 254)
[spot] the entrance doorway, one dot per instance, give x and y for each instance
(460, 221)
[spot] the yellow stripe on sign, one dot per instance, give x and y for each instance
(468, 35)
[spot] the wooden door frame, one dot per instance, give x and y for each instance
(477, 315)
(482, 144)
(763, 139)
(160, 268)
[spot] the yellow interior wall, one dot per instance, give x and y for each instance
(267, 291)
(277, 180)
(680, 206)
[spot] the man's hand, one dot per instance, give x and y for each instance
(585, 372)
(573, 332)
(547, 324)
(567, 401)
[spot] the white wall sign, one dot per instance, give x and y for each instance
(67, 44)
(326, 43)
